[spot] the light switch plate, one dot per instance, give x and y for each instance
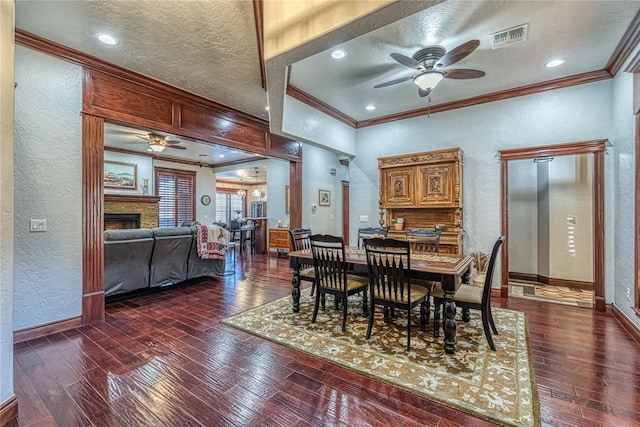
(38, 225)
(364, 218)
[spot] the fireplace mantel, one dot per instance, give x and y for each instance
(131, 198)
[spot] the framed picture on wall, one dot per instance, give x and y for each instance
(324, 198)
(123, 176)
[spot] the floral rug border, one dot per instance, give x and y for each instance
(528, 403)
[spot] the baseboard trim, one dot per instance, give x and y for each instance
(8, 410)
(523, 276)
(47, 329)
(627, 324)
(573, 284)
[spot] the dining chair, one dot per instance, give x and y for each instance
(332, 277)
(389, 265)
(423, 240)
(474, 298)
(300, 241)
(370, 232)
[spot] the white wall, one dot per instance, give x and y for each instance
(316, 176)
(48, 185)
(571, 196)
(570, 114)
(144, 171)
(277, 178)
(523, 217)
(6, 198)
(306, 123)
(623, 158)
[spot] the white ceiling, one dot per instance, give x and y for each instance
(210, 48)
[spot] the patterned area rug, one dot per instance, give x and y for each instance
(495, 386)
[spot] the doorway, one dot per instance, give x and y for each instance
(550, 203)
(595, 150)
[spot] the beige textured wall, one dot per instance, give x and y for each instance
(292, 23)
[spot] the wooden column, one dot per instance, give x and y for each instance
(504, 217)
(92, 219)
(598, 230)
(295, 189)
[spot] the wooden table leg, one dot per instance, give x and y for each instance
(295, 290)
(449, 323)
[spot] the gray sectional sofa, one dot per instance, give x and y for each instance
(140, 259)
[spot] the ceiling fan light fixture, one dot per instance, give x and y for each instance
(428, 80)
(156, 147)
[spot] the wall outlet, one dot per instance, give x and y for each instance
(629, 294)
(364, 218)
(37, 225)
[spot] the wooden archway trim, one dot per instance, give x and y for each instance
(597, 147)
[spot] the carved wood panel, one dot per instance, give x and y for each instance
(436, 185)
(398, 187)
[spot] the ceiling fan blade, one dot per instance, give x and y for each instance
(424, 92)
(463, 73)
(172, 141)
(393, 82)
(406, 61)
(179, 147)
(457, 54)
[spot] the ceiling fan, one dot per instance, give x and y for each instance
(157, 143)
(430, 62)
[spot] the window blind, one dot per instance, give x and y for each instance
(176, 190)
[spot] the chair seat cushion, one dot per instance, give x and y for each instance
(356, 282)
(308, 273)
(466, 293)
(417, 292)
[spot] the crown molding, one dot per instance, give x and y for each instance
(561, 83)
(304, 97)
(625, 47)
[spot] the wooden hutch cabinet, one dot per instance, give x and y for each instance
(424, 189)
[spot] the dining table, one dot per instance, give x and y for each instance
(450, 270)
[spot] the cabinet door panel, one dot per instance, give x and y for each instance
(398, 185)
(436, 185)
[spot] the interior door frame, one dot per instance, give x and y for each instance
(595, 147)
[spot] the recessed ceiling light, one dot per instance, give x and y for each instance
(370, 107)
(107, 39)
(221, 156)
(338, 54)
(554, 63)
(266, 108)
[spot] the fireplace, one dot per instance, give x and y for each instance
(116, 221)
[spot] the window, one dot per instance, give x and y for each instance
(176, 189)
(229, 205)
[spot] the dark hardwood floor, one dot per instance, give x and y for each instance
(164, 359)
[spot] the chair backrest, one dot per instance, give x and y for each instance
(300, 238)
(370, 232)
(329, 261)
(486, 290)
(423, 240)
(389, 263)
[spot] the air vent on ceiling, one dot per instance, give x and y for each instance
(510, 36)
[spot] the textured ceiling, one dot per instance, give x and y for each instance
(585, 34)
(205, 47)
(210, 47)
